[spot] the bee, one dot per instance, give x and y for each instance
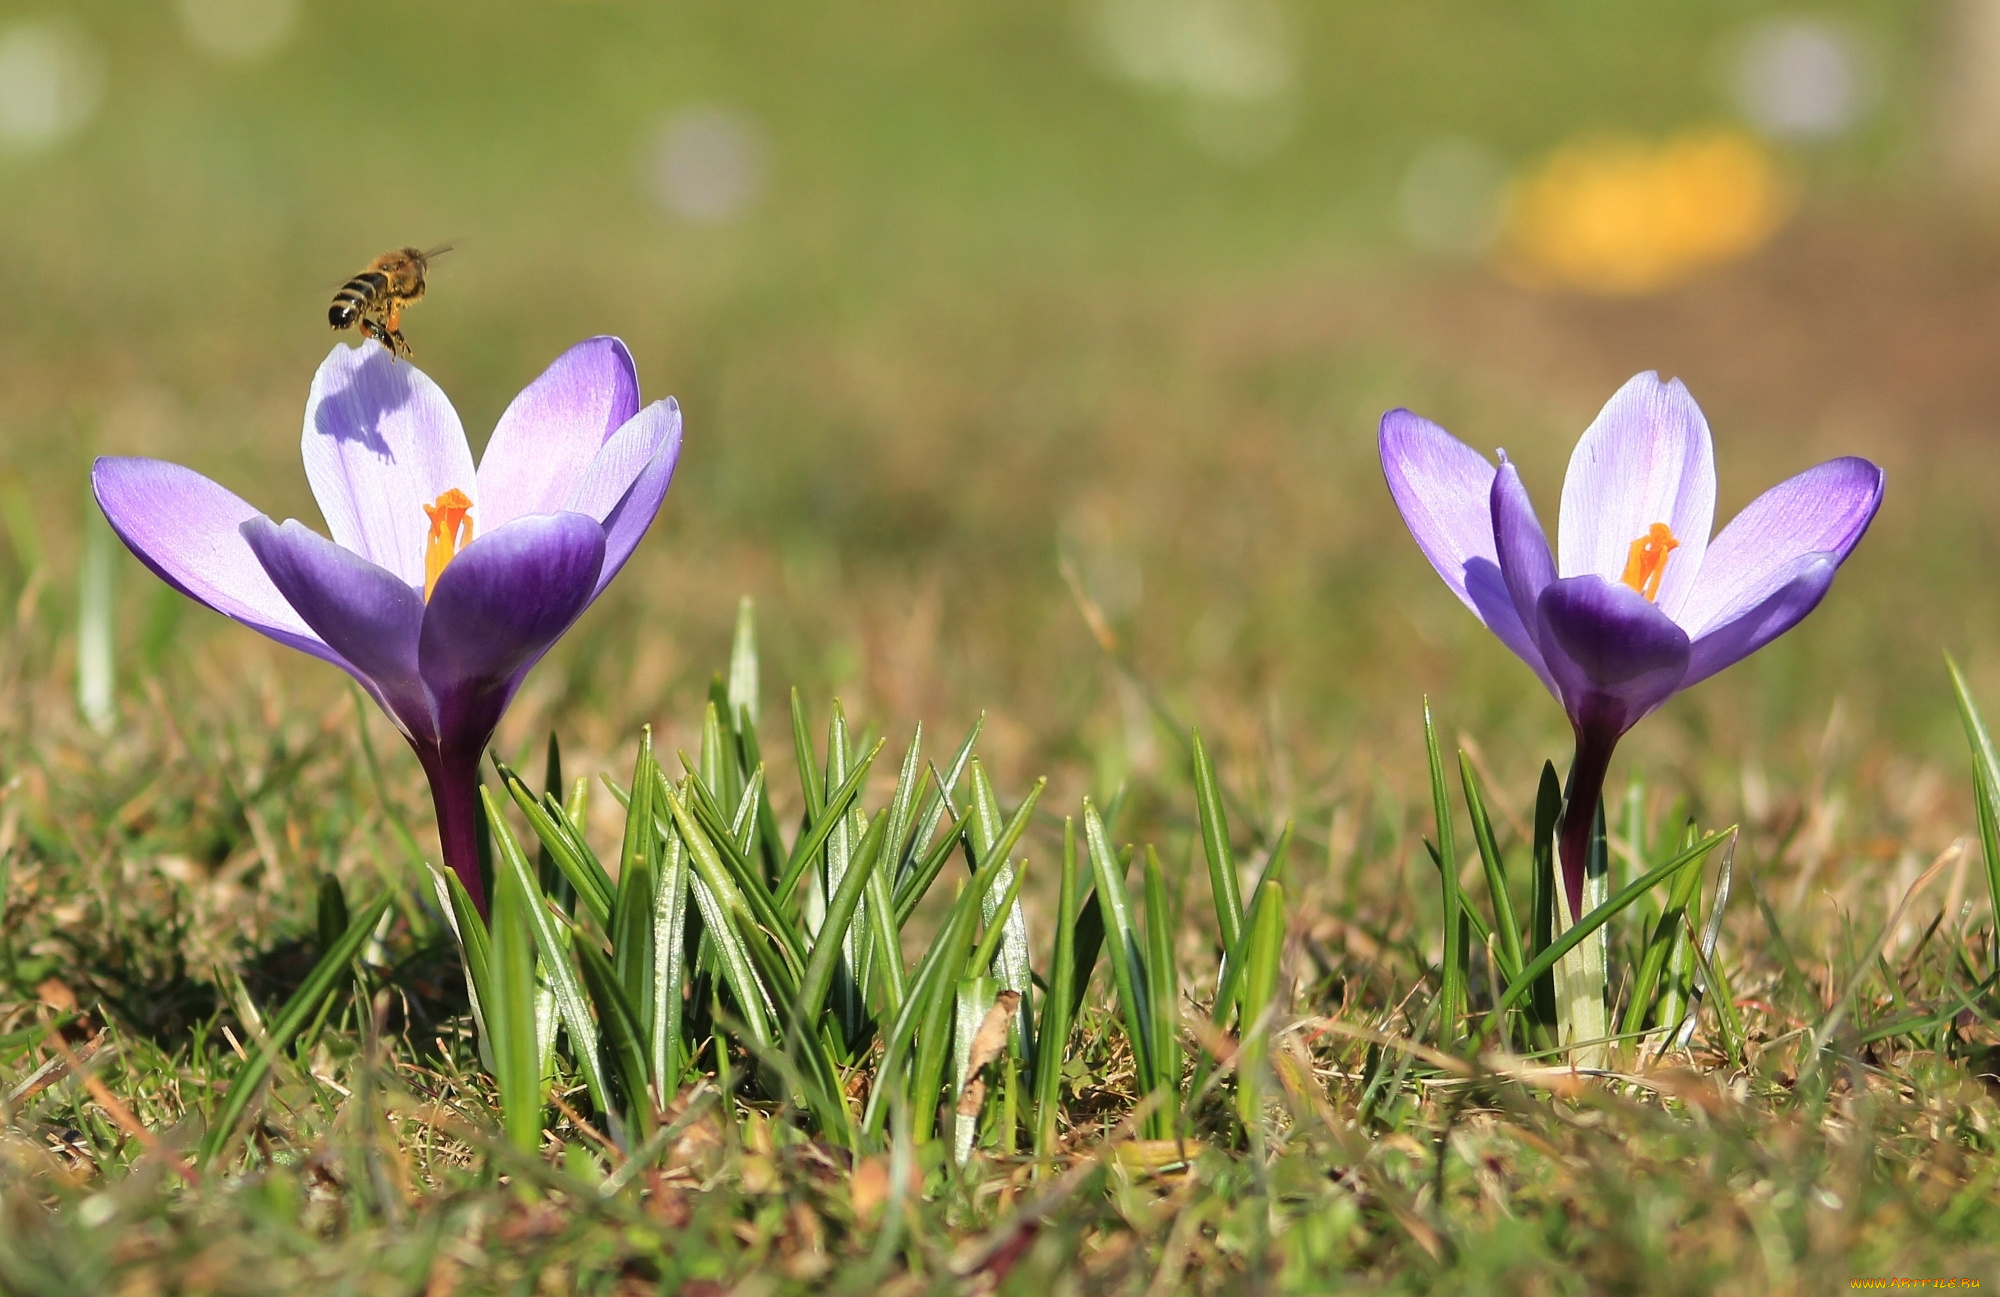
(374, 299)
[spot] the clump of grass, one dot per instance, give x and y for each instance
(1230, 1075)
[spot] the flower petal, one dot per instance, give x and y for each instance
(381, 442)
(1486, 590)
(504, 600)
(641, 484)
(1613, 653)
(186, 529)
(1523, 546)
(365, 613)
(1822, 510)
(1444, 488)
(1646, 458)
(551, 434)
(1779, 603)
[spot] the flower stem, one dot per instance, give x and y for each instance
(1584, 794)
(1582, 976)
(455, 794)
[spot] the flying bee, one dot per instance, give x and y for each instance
(374, 299)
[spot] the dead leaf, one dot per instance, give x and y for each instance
(973, 1098)
(56, 994)
(991, 1037)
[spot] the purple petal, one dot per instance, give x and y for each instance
(381, 442)
(1442, 488)
(641, 484)
(1784, 598)
(555, 429)
(1822, 510)
(497, 608)
(1523, 546)
(1486, 591)
(366, 614)
(1615, 655)
(1646, 458)
(186, 529)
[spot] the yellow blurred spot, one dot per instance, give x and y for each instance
(1624, 216)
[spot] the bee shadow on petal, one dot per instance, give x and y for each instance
(357, 409)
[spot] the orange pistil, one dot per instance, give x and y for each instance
(1647, 562)
(451, 531)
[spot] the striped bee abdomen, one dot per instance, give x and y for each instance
(356, 298)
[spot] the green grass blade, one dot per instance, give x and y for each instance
(1506, 927)
(1059, 1011)
(1660, 946)
(1477, 932)
(1222, 881)
(742, 891)
(1089, 945)
(631, 928)
(619, 1023)
(916, 881)
(910, 783)
(743, 685)
(669, 970)
(975, 997)
(1128, 961)
(474, 948)
(838, 860)
(1985, 784)
(811, 842)
(577, 863)
(883, 931)
(743, 825)
(1010, 963)
(1452, 973)
(935, 1033)
(827, 951)
(555, 884)
(718, 762)
(1265, 945)
(96, 608)
(1548, 818)
(330, 912)
(750, 756)
(726, 915)
(996, 933)
(1592, 921)
(936, 974)
(1164, 997)
(811, 784)
(935, 806)
(511, 1014)
(552, 938)
(321, 982)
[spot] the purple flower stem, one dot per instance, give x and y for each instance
(454, 784)
(1594, 745)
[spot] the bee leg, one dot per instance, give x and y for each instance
(398, 345)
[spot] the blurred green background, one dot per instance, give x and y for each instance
(950, 293)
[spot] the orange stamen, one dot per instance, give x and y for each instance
(1647, 562)
(451, 531)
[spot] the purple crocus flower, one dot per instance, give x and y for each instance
(443, 584)
(1637, 603)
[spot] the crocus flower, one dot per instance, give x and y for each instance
(1638, 602)
(442, 584)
